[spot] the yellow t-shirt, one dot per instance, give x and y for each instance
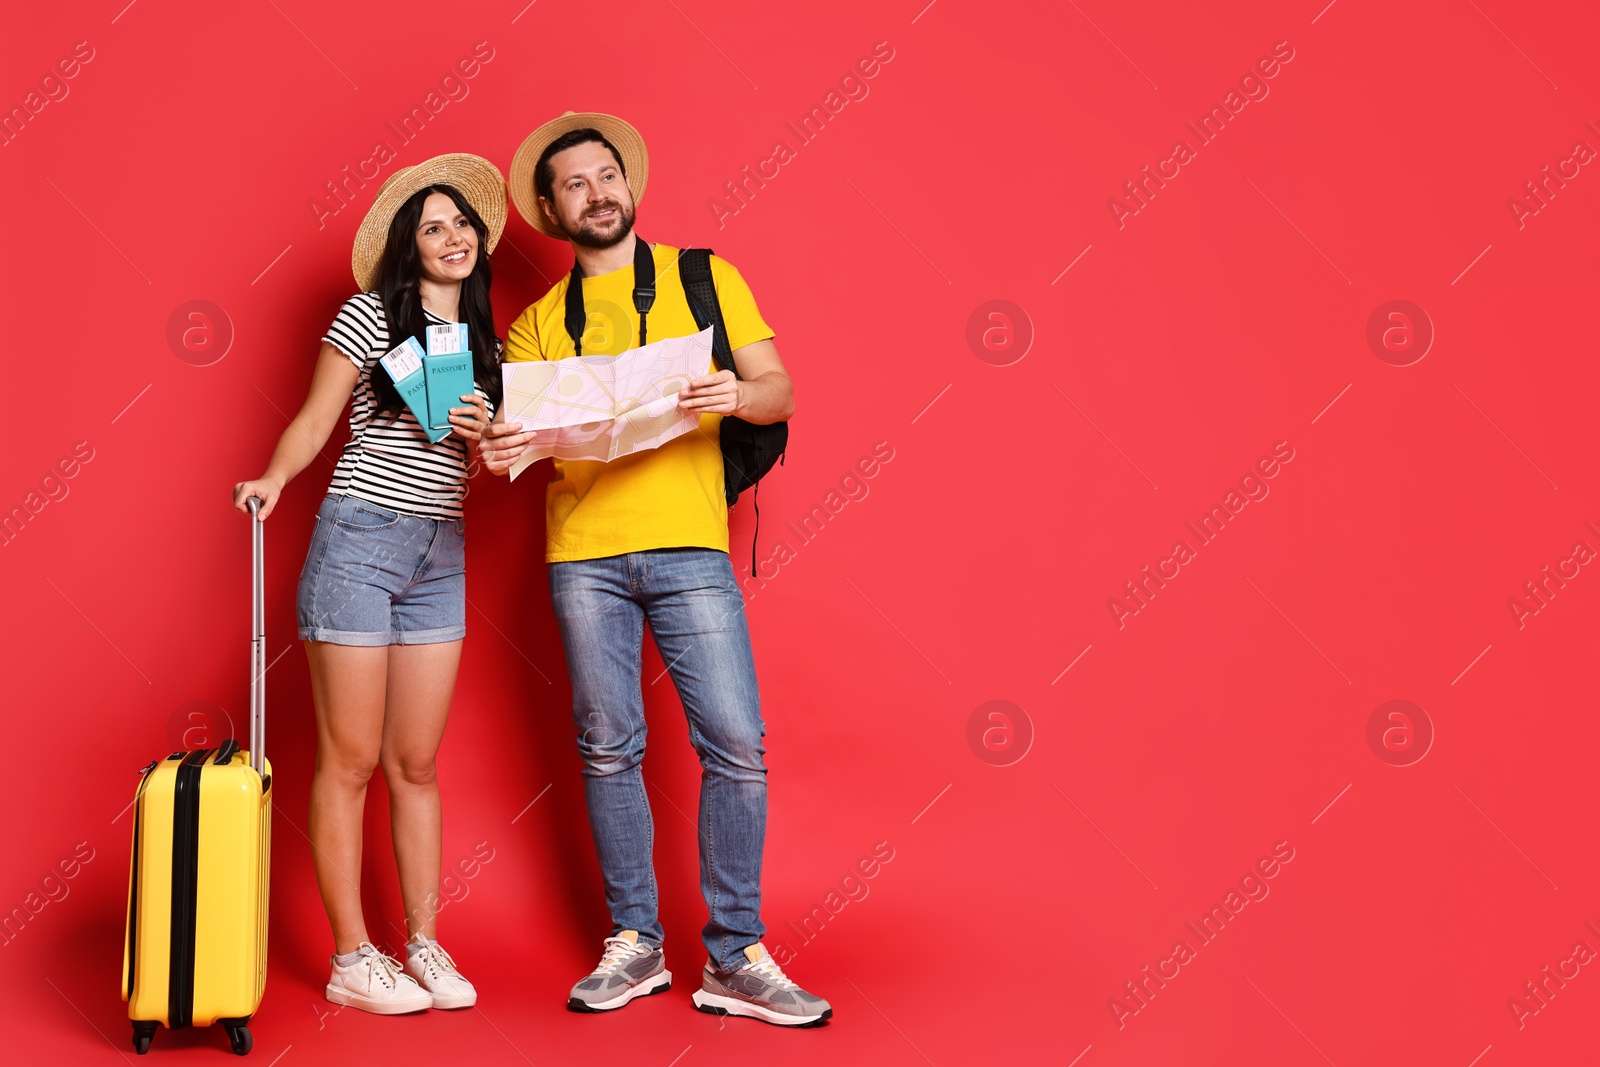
(667, 497)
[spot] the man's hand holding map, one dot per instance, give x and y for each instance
(602, 407)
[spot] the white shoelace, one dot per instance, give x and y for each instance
(383, 967)
(439, 961)
(767, 968)
(619, 950)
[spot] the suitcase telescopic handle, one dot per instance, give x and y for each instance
(258, 642)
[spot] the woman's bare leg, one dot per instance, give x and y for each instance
(420, 683)
(348, 686)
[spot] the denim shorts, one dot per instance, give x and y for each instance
(377, 577)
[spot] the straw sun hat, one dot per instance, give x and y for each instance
(629, 145)
(474, 177)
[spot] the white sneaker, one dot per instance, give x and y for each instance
(375, 983)
(434, 970)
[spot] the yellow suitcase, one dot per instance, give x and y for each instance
(196, 952)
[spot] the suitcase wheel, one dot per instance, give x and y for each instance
(142, 1033)
(239, 1037)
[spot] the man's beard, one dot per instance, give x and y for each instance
(589, 237)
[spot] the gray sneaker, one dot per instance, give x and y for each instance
(630, 968)
(760, 990)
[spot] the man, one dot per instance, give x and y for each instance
(645, 538)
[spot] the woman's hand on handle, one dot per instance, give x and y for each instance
(267, 489)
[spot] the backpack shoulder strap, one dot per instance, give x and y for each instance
(694, 268)
(644, 296)
(576, 317)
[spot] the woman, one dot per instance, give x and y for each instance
(382, 596)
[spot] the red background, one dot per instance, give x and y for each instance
(1227, 715)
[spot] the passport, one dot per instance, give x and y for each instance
(449, 378)
(404, 362)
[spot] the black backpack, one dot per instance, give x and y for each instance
(749, 450)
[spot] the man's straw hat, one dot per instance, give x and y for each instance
(629, 145)
(474, 177)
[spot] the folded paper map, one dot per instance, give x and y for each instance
(602, 407)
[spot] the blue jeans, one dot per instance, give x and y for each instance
(697, 619)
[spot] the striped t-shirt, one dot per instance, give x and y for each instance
(389, 461)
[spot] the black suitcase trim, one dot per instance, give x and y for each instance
(185, 887)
